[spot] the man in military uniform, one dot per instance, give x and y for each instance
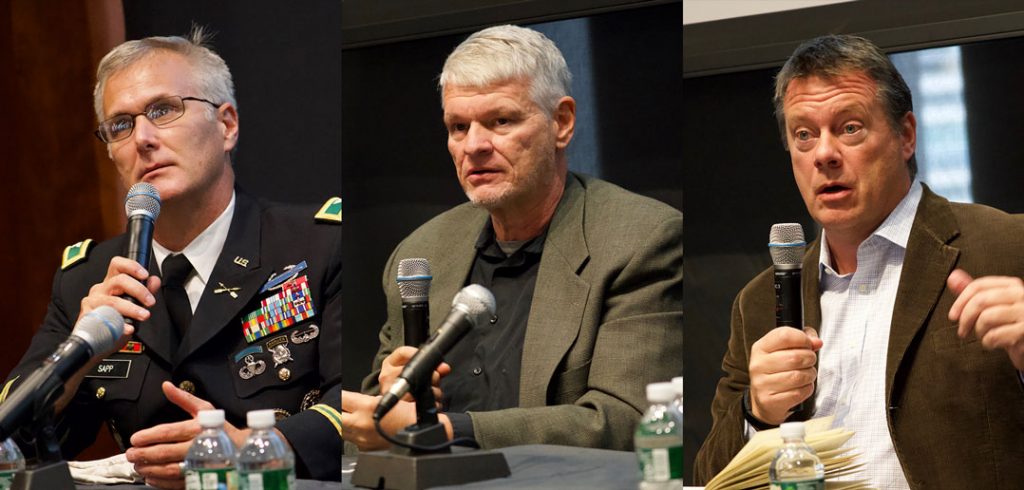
(240, 308)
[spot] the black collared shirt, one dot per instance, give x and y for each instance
(486, 364)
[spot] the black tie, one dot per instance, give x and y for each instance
(176, 269)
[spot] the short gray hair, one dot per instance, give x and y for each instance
(210, 73)
(504, 53)
(835, 55)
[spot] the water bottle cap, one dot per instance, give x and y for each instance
(660, 392)
(211, 418)
(792, 430)
(677, 382)
(260, 419)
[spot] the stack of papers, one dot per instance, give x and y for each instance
(749, 468)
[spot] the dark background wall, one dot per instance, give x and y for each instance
(398, 173)
(286, 63)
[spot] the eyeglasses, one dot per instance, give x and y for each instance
(161, 113)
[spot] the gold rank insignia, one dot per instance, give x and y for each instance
(330, 212)
(75, 253)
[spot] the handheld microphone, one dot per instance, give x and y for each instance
(142, 205)
(414, 287)
(473, 305)
(96, 333)
(786, 245)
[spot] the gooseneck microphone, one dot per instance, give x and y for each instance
(414, 288)
(472, 306)
(786, 245)
(142, 205)
(97, 332)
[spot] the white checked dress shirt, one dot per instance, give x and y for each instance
(856, 315)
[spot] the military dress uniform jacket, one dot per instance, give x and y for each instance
(304, 386)
(606, 316)
(954, 409)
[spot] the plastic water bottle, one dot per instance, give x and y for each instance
(796, 466)
(265, 462)
(210, 462)
(677, 404)
(659, 441)
(11, 462)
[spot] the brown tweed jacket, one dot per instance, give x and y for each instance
(955, 410)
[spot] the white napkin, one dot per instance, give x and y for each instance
(115, 469)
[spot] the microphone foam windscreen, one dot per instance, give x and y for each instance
(100, 328)
(414, 279)
(142, 197)
(786, 244)
(478, 302)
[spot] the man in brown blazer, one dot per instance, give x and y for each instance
(922, 361)
(587, 276)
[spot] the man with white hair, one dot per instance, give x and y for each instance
(587, 276)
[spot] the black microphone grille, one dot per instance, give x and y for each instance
(100, 328)
(142, 197)
(477, 301)
(786, 244)
(414, 279)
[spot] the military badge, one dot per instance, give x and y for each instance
(132, 347)
(292, 304)
(75, 254)
(287, 274)
(330, 212)
(252, 366)
(279, 349)
(305, 335)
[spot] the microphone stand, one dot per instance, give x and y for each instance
(50, 472)
(411, 468)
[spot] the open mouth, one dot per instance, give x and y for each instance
(833, 189)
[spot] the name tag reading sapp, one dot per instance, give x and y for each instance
(111, 369)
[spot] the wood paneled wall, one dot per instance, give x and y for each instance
(57, 185)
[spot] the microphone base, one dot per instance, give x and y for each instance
(50, 476)
(391, 471)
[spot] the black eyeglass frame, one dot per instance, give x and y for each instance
(145, 112)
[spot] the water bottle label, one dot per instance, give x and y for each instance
(283, 479)
(662, 464)
(218, 479)
(816, 484)
(6, 479)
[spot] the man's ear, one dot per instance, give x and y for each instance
(565, 121)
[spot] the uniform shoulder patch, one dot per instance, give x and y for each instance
(330, 212)
(76, 253)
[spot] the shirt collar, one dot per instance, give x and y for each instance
(487, 243)
(204, 249)
(895, 229)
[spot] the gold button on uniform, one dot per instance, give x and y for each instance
(284, 374)
(100, 393)
(188, 386)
